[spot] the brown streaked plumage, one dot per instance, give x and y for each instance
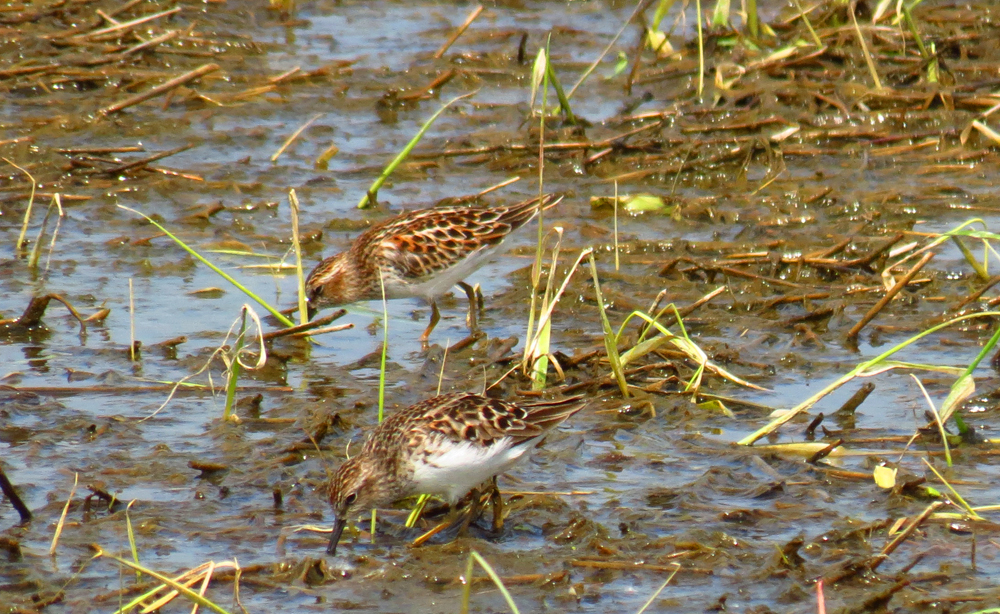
(420, 254)
(444, 446)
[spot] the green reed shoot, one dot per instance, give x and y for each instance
(418, 509)
(701, 50)
(809, 26)
(27, 212)
(928, 55)
(36, 250)
(682, 342)
(720, 16)
(277, 314)
(937, 419)
(233, 377)
(560, 94)
(662, 8)
(381, 371)
(753, 19)
(964, 386)
(536, 348)
(131, 540)
(620, 360)
(864, 49)
(322, 162)
(131, 321)
(544, 339)
(475, 557)
(539, 78)
(617, 263)
(962, 230)
(610, 340)
(369, 198)
(542, 76)
(954, 493)
(881, 9)
(300, 288)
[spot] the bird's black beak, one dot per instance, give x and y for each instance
(338, 528)
(310, 311)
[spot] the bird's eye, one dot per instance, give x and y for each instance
(350, 499)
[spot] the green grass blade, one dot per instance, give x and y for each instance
(366, 200)
(470, 568)
(27, 212)
(753, 19)
(653, 597)
(541, 366)
(131, 540)
(954, 493)
(300, 288)
(560, 94)
(720, 16)
(859, 369)
(541, 77)
(416, 511)
(662, 8)
(960, 390)
(701, 50)
(385, 349)
(381, 374)
(610, 339)
(277, 314)
(496, 580)
(805, 19)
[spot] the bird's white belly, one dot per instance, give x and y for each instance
(459, 468)
(434, 286)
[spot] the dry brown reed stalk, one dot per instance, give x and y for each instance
(458, 32)
(8, 490)
(309, 327)
(161, 89)
(126, 25)
(122, 168)
(295, 135)
(852, 334)
(33, 313)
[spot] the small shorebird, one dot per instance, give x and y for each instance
(445, 446)
(420, 254)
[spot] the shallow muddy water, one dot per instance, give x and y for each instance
(628, 487)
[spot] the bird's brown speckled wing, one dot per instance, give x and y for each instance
(471, 417)
(419, 245)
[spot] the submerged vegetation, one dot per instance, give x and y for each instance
(763, 203)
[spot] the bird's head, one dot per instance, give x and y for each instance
(355, 487)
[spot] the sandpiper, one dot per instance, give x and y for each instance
(445, 446)
(421, 254)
